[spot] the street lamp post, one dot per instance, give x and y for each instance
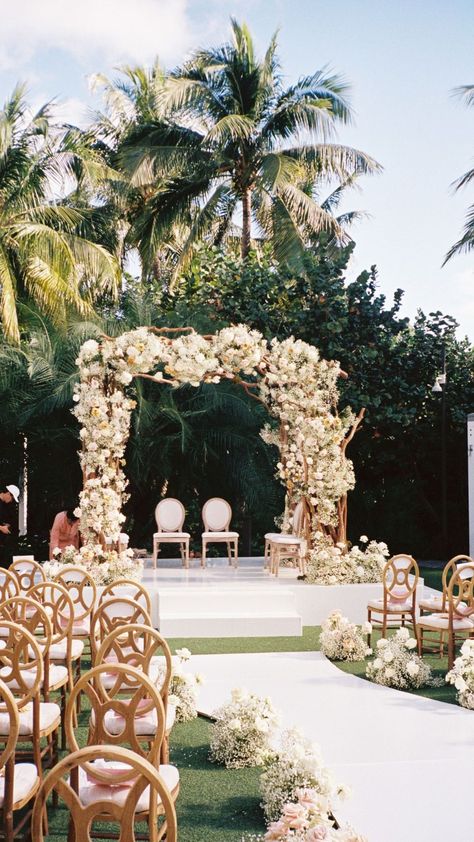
(440, 386)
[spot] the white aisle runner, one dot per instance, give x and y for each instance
(408, 760)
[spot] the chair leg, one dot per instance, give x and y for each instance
(229, 555)
(155, 548)
(236, 553)
(203, 554)
(384, 625)
(186, 553)
(369, 620)
(277, 561)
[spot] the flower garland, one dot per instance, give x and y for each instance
(243, 730)
(183, 687)
(462, 675)
(307, 819)
(289, 377)
(104, 566)
(341, 640)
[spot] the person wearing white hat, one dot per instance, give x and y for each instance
(8, 523)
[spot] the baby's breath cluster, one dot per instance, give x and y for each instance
(243, 729)
(462, 675)
(396, 663)
(341, 640)
(183, 687)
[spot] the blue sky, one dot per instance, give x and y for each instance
(402, 59)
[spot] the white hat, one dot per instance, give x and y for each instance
(14, 491)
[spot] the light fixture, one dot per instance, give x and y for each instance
(437, 387)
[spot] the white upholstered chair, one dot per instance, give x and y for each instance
(279, 546)
(217, 515)
(169, 516)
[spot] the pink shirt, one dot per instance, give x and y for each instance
(63, 534)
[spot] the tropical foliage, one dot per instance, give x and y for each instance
(466, 243)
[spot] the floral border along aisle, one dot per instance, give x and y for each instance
(341, 640)
(104, 565)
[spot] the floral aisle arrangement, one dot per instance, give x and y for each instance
(341, 640)
(339, 564)
(462, 675)
(243, 729)
(183, 687)
(104, 565)
(296, 764)
(307, 819)
(397, 665)
(289, 377)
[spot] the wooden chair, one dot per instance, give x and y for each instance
(28, 572)
(115, 612)
(169, 515)
(399, 580)
(64, 650)
(120, 714)
(83, 592)
(122, 788)
(217, 515)
(139, 645)
(19, 782)
(128, 588)
(21, 667)
(279, 547)
(457, 622)
(439, 602)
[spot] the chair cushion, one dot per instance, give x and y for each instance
(441, 621)
(57, 676)
(89, 792)
(392, 607)
(218, 536)
(144, 725)
(25, 781)
(432, 603)
(50, 716)
(171, 536)
(154, 672)
(58, 651)
(283, 539)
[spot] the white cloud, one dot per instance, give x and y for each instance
(115, 30)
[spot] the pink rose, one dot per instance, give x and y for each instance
(315, 834)
(295, 816)
(276, 831)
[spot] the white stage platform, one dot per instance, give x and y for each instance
(407, 759)
(220, 601)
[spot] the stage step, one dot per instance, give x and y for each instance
(228, 612)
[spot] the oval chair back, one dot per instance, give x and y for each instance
(455, 563)
(8, 709)
(115, 612)
(129, 589)
(400, 580)
(100, 763)
(216, 515)
(21, 663)
(117, 707)
(461, 591)
(28, 572)
(83, 592)
(169, 515)
(57, 603)
(297, 518)
(142, 647)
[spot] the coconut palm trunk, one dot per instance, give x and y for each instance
(246, 222)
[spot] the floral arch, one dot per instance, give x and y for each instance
(300, 392)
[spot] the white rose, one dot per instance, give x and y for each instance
(363, 539)
(390, 672)
(460, 684)
(367, 627)
(235, 725)
(413, 668)
(388, 656)
(411, 643)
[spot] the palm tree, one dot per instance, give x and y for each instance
(227, 136)
(466, 243)
(43, 257)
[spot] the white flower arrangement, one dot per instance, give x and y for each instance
(307, 819)
(243, 729)
(462, 675)
(330, 564)
(105, 566)
(296, 764)
(341, 640)
(183, 687)
(397, 665)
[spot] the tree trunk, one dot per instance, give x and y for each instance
(246, 222)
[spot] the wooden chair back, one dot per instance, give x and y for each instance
(9, 584)
(21, 663)
(137, 644)
(216, 515)
(28, 572)
(131, 695)
(461, 592)
(128, 588)
(169, 515)
(9, 707)
(116, 612)
(400, 579)
(31, 615)
(297, 518)
(57, 603)
(82, 590)
(63, 780)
